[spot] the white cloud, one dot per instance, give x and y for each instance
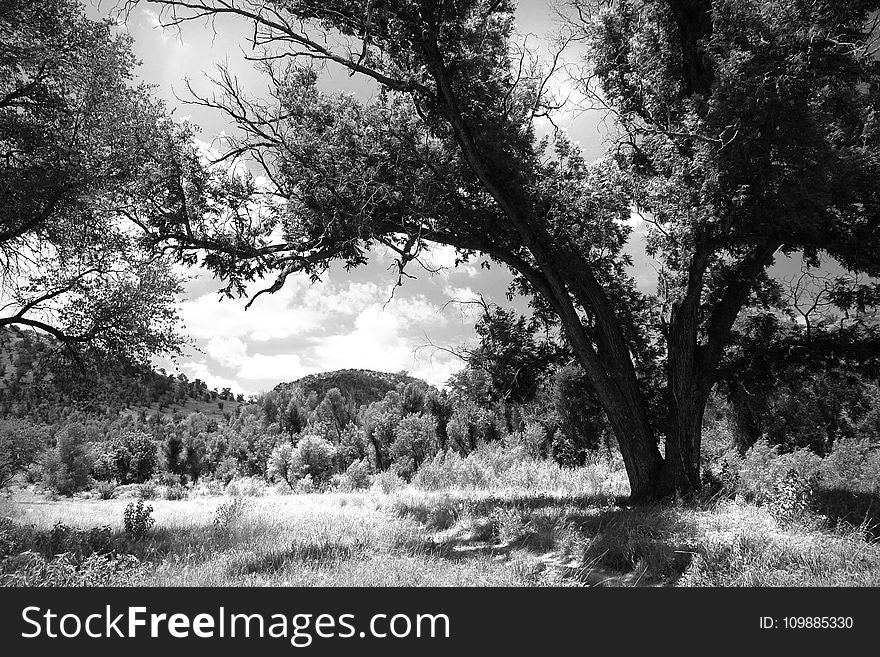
(440, 255)
(379, 341)
(229, 351)
(350, 300)
(271, 316)
(461, 293)
(280, 367)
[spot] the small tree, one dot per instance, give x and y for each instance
(314, 456)
(67, 467)
(131, 456)
(20, 443)
(194, 456)
(281, 465)
(172, 453)
(414, 441)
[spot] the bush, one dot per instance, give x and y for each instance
(148, 490)
(79, 543)
(764, 467)
(229, 513)
(138, 519)
(31, 569)
(853, 464)
(312, 457)
(387, 482)
(106, 490)
(358, 474)
(281, 466)
(304, 486)
(246, 487)
(175, 492)
(67, 467)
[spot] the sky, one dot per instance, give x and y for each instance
(349, 319)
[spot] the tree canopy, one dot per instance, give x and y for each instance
(85, 157)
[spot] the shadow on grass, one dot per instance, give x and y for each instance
(859, 509)
(275, 560)
(585, 539)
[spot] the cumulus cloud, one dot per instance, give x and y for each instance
(271, 316)
(334, 325)
(277, 367)
(228, 351)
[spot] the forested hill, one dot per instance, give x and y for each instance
(34, 386)
(357, 386)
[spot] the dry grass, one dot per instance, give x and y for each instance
(412, 537)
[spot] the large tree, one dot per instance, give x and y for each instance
(746, 128)
(85, 157)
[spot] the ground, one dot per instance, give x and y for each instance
(411, 537)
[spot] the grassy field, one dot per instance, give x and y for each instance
(413, 537)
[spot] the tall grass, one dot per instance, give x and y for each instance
(498, 467)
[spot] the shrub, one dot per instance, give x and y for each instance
(31, 569)
(314, 456)
(281, 467)
(106, 490)
(852, 465)
(228, 513)
(138, 519)
(304, 486)
(387, 482)
(226, 470)
(148, 490)
(246, 487)
(763, 467)
(175, 492)
(67, 467)
(358, 474)
(791, 497)
(79, 543)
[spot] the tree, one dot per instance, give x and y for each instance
(281, 465)
(84, 158)
(20, 444)
(335, 411)
(131, 456)
(414, 441)
(67, 467)
(746, 128)
(312, 456)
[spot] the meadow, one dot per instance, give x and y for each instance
(535, 524)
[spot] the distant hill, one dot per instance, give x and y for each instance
(358, 386)
(33, 385)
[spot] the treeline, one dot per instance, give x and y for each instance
(294, 434)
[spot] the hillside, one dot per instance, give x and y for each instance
(34, 383)
(357, 386)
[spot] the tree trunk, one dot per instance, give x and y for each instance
(681, 465)
(688, 394)
(635, 438)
